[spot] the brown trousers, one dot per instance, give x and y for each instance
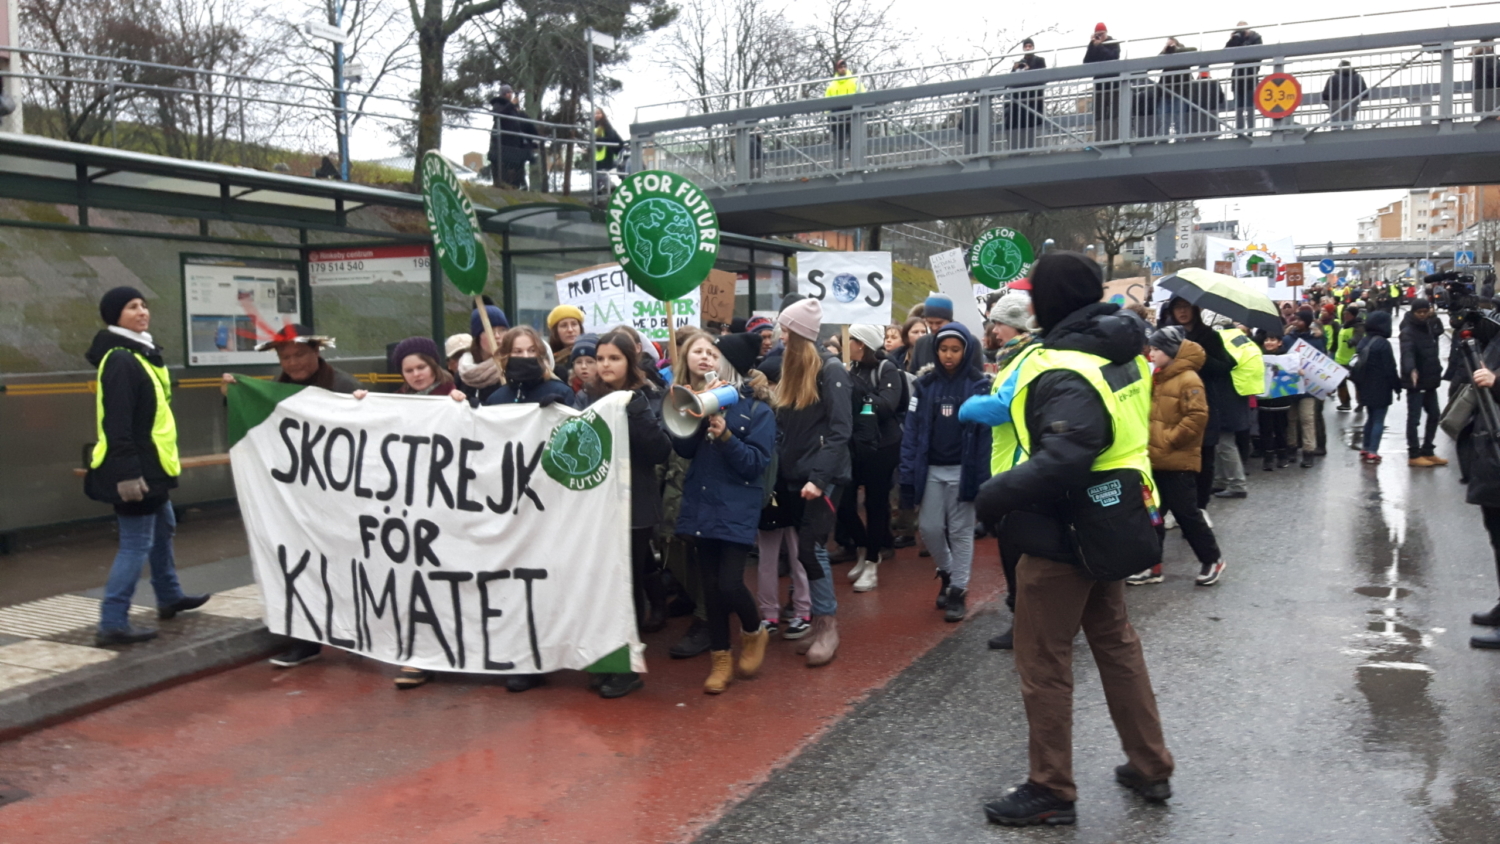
(1054, 601)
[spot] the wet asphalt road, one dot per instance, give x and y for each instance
(1324, 691)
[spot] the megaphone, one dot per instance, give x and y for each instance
(686, 410)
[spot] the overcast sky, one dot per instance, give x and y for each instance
(1307, 218)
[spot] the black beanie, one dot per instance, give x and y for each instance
(740, 350)
(1061, 283)
(114, 302)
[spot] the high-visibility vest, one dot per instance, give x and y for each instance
(600, 147)
(1125, 391)
(842, 86)
(1347, 344)
(1005, 447)
(1249, 373)
(163, 425)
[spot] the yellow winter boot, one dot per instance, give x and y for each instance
(721, 675)
(753, 650)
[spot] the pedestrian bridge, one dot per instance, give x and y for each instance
(1424, 112)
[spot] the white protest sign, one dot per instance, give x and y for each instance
(953, 279)
(853, 287)
(1321, 375)
(419, 531)
(1283, 376)
(608, 298)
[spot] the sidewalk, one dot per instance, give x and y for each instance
(50, 668)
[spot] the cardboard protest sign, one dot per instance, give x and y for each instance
(608, 298)
(1321, 375)
(853, 287)
(419, 531)
(1283, 376)
(952, 276)
(717, 296)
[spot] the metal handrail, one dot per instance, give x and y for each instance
(996, 60)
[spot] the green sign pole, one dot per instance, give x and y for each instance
(665, 234)
(456, 236)
(1000, 255)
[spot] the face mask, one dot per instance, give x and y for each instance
(523, 370)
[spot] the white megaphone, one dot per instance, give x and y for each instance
(686, 410)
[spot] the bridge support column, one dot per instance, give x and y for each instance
(1445, 89)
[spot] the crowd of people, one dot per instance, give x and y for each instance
(1064, 408)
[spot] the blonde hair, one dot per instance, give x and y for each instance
(685, 340)
(543, 351)
(801, 365)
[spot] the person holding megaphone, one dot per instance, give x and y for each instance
(721, 420)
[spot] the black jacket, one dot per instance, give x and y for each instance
(1379, 382)
(1107, 52)
(1343, 85)
(1480, 463)
(883, 386)
(1069, 427)
(813, 442)
(1419, 352)
(649, 447)
(517, 133)
(1244, 73)
(129, 401)
(1227, 409)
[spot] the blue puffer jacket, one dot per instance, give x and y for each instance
(722, 493)
(916, 439)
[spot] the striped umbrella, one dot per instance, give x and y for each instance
(1225, 295)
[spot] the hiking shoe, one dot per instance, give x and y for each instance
(942, 596)
(1155, 792)
(1142, 578)
(1029, 804)
(1434, 460)
(1005, 641)
(1490, 618)
(693, 642)
(1487, 641)
(183, 604)
(298, 654)
(1209, 573)
(127, 635)
(956, 609)
(620, 685)
(796, 629)
(1420, 462)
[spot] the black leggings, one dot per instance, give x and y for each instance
(1177, 491)
(877, 474)
(722, 565)
(1203, 483)
(648, 590)
(1492, 526)
(1272, 432)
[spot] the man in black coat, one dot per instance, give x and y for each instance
(1342, 93)
(511, 141)
(1106, 94)
(1023, 111)
(1245, 77)
(1421, 375)
(1069, 427)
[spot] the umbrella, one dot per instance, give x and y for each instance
(1225, 295)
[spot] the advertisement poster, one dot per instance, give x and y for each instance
(232, 304)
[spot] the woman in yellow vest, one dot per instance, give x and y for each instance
(134, 464)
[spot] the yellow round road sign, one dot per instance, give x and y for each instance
(1278, 95)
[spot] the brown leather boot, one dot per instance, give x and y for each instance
(753, 650)
(826, 629)
(721, 675)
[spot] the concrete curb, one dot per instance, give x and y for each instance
(38, 704)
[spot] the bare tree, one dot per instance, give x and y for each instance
(860, 32)
(729, 55)
(1119, 226)
(434, 26)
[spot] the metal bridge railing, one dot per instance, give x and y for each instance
(1444, 79)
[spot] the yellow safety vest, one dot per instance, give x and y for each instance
(1249, 373)
(1005, 447)
(163, 426)
(1125, 390)
(842, 86)
(599, 144)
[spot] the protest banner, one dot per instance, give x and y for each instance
(952, 275)
(1283, 376)
(608, 298)
(1321, 375)
(717, 296)
(853, 287)
(419, 531)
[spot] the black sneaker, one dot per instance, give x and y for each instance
(1490, 618)
(298, 654)
(524, 682)
(1487, 641)
(796, 629)
(956, 610)
(1154, 792)
(693, 642)
(620, 685)
(1029, 804)
(127, 635)
(942, 598)
(1005, 641)
(183, 604)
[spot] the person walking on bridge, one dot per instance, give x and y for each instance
(843, 84)
(134, 464)
(1080, 413)
(1245, 76)
(1342, 93)
(1024, 109)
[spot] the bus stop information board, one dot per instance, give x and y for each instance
(369, 265)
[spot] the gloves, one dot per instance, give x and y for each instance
(134, 489)
(908, 497)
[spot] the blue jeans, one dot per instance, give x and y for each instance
(1374, 427)
(141, 538)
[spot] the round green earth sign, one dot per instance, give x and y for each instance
(455, 228)
(664, 233)
(999, 256)
(578, 452)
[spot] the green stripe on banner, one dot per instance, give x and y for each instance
(251, 400)
(616, 663)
